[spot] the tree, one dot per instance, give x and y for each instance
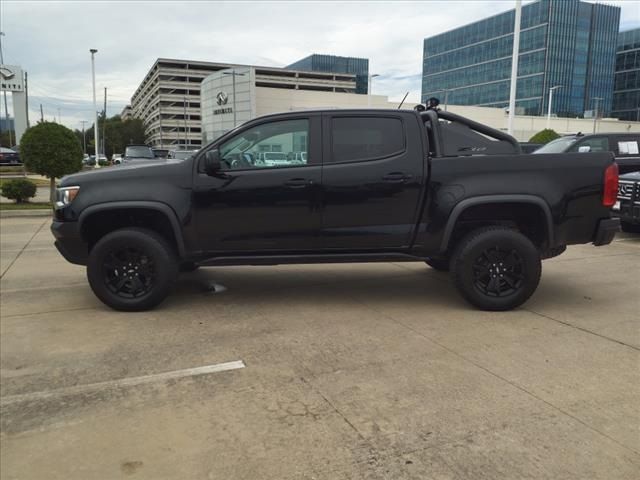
(52, 150)
(119, 134)
(544, 136)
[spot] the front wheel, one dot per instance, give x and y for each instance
(496, 268)
(132, 269)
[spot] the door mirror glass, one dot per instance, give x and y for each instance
(584, 149)
(211, 162)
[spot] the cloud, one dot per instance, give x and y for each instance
(52, 40)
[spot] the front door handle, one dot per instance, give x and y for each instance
(298, 183)
(396, 177)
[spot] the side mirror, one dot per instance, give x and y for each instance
(212, 162)
(584, 149)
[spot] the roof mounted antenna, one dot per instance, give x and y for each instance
(405, 97)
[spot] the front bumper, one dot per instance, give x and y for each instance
(69, 242)
(607, 229)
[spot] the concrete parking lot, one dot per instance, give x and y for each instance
(376, 371)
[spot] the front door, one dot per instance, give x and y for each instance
(266, 196)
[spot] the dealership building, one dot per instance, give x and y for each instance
(567, 44)
(169, 98)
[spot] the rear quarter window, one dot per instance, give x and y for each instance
(365, 138)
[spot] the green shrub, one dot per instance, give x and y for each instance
(544, 136)
(19, 189)
(103, 163)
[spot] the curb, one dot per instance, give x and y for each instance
(26, 213)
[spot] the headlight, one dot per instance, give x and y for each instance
(65, 195)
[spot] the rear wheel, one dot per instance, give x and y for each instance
(132, 269)
(496, 268)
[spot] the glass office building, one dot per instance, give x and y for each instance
(562, 42)
(626, 88)
(335, 64)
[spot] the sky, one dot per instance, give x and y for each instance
(51, 41)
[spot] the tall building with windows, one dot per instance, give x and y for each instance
(565, 43)
(333, 63)
(626, 89)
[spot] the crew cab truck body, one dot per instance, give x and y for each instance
(376, 185)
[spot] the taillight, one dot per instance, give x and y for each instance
(610, 194)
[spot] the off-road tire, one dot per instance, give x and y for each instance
(496, 268)
(188, 267)
(132, 269)
(553, 252)
(440, 264)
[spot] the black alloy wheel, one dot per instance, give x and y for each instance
(128, 272)
(498, 272)
(132, 269)
(496, 268)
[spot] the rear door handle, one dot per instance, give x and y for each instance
(298, 183)
(396, 177)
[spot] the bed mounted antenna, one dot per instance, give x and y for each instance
(405, 97)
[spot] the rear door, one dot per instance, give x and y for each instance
(372, 179)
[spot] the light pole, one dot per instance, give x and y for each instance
(369, 85)
(446, 95)
(234, 74)
(595, 113)
(514, 66)
(95, 105)
(84, 138)
(555, 87)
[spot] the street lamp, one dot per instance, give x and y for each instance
(446, 95)
(371, 77)
(234, 74)
(595, 113)
(95, 106)
(555, 87)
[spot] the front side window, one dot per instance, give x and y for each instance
(269, 145)
(365, 138)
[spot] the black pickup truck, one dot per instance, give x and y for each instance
(348, 186)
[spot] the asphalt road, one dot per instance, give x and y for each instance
(375, 371)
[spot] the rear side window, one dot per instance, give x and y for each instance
(365, 138)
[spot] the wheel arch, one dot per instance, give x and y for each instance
(158, 208)
(500, 200)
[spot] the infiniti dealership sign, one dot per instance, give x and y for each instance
(221, 99)
(11, 78)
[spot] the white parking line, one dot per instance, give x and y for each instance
(124, 382)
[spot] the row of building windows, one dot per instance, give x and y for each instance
(533, 39)
(531, 63)
(628, 60)
(502, 24)
(627, 80)
(493, 93)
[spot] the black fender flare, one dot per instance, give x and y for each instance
(473, 201)
(163, 208)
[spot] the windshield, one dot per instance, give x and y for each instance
(139, 152)
(559, 145)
